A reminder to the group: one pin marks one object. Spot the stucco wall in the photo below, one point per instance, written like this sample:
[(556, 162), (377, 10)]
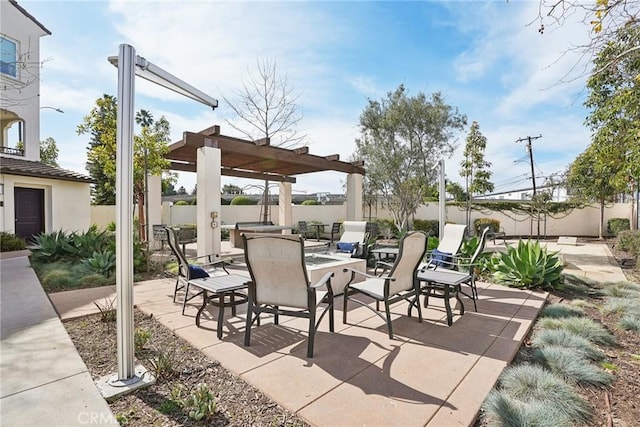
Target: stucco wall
[(67, 204), (580, 222)]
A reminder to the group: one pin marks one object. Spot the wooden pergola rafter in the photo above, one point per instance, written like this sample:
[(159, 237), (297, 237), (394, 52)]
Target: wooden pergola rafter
[(254, 159)]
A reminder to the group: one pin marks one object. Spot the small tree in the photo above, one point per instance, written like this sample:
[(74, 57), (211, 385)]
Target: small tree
[(475, 169), (149, 149), (590, 176)]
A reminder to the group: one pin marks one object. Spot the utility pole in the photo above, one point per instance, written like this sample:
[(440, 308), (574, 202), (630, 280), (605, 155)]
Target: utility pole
[(533, 175)]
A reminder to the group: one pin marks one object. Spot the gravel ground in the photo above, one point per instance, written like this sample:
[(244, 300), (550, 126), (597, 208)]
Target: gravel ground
[(237, 403)]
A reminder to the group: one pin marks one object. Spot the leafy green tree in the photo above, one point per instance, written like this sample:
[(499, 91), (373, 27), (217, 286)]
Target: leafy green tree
[(101, 152), (100, 124), (614, 101), (48, 151), (456, 190), (590, 175), (402, 138), (150, 147), (475, 169)]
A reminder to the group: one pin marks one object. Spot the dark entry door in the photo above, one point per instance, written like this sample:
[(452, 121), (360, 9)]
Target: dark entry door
[(29, 211)]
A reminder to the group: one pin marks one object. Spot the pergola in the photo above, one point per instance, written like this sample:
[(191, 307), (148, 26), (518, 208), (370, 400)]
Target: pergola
[(211, 154)]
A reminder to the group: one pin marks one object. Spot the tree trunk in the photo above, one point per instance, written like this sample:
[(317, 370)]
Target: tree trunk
[(141, 217), (265, 203), (601, 228)]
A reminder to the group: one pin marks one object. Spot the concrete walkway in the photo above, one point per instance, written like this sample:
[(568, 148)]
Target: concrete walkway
[(429, 375), (44, 382)]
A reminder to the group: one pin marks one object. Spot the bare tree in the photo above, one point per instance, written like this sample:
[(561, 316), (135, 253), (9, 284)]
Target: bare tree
[(603, 18), (267, 108), (26, 72)]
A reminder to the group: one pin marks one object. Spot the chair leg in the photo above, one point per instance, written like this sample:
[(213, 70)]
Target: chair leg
[(186, 296), (388, 313), (177, 287), (344, 304), (247, 330), (312, 333)]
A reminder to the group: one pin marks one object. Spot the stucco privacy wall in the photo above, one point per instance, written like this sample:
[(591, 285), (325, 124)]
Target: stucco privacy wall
[(580, 222), (70, 212)]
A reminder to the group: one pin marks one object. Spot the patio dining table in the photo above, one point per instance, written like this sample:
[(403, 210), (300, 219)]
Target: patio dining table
[(445, 284)]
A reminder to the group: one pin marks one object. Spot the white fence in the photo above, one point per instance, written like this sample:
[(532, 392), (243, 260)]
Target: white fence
[(579, 222)]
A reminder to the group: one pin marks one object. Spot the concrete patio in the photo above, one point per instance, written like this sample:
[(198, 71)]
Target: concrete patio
[(429, 375)]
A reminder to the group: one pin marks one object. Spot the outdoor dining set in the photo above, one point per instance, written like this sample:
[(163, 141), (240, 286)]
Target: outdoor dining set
[(285, 280)]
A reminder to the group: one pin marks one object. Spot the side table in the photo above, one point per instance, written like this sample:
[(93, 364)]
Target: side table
[(221, 291)]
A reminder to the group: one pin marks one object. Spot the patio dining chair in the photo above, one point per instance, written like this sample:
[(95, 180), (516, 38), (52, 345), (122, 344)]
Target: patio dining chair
[(448, 246), (206, 266), (303, 229), (279, 279), (468, 267), (353, 239), (399, 284)]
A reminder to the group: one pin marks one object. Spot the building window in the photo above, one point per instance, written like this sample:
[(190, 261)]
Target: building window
[(8, 57)]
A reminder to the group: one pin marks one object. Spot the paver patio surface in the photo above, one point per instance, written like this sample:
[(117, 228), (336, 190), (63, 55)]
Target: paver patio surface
[(429, 374)]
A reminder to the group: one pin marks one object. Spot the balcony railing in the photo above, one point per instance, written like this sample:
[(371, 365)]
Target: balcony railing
[(10, 150)]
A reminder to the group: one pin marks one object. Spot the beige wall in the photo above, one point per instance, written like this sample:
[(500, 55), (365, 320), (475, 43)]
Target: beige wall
[(580, 222), (66, 203)]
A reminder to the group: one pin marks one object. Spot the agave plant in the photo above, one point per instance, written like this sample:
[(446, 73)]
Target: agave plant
[(53, 246), (102, 262), (529, 265)]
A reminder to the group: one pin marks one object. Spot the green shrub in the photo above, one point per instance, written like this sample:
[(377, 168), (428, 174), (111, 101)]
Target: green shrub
[(481, 223), (386, 228), (561, 310), (309, 202), (141, 337), (563, 362), (107, 309), (529, 265), (528, 384), (616, 225), (11, 242), (629, 240), (181, 203), (581, 326), (561, 337), (242, 200), (501, 410), (57, 279), (429, 226)]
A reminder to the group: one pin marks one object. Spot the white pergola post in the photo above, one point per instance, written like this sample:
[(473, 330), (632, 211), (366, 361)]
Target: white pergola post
[(442, 199), (209, 161), (285, 211), (354, 197)]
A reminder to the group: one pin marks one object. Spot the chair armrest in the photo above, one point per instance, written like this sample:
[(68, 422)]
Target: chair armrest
[(354, 272), (324, 279)]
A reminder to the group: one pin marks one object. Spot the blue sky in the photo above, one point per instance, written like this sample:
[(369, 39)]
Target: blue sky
[(486, 57)]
